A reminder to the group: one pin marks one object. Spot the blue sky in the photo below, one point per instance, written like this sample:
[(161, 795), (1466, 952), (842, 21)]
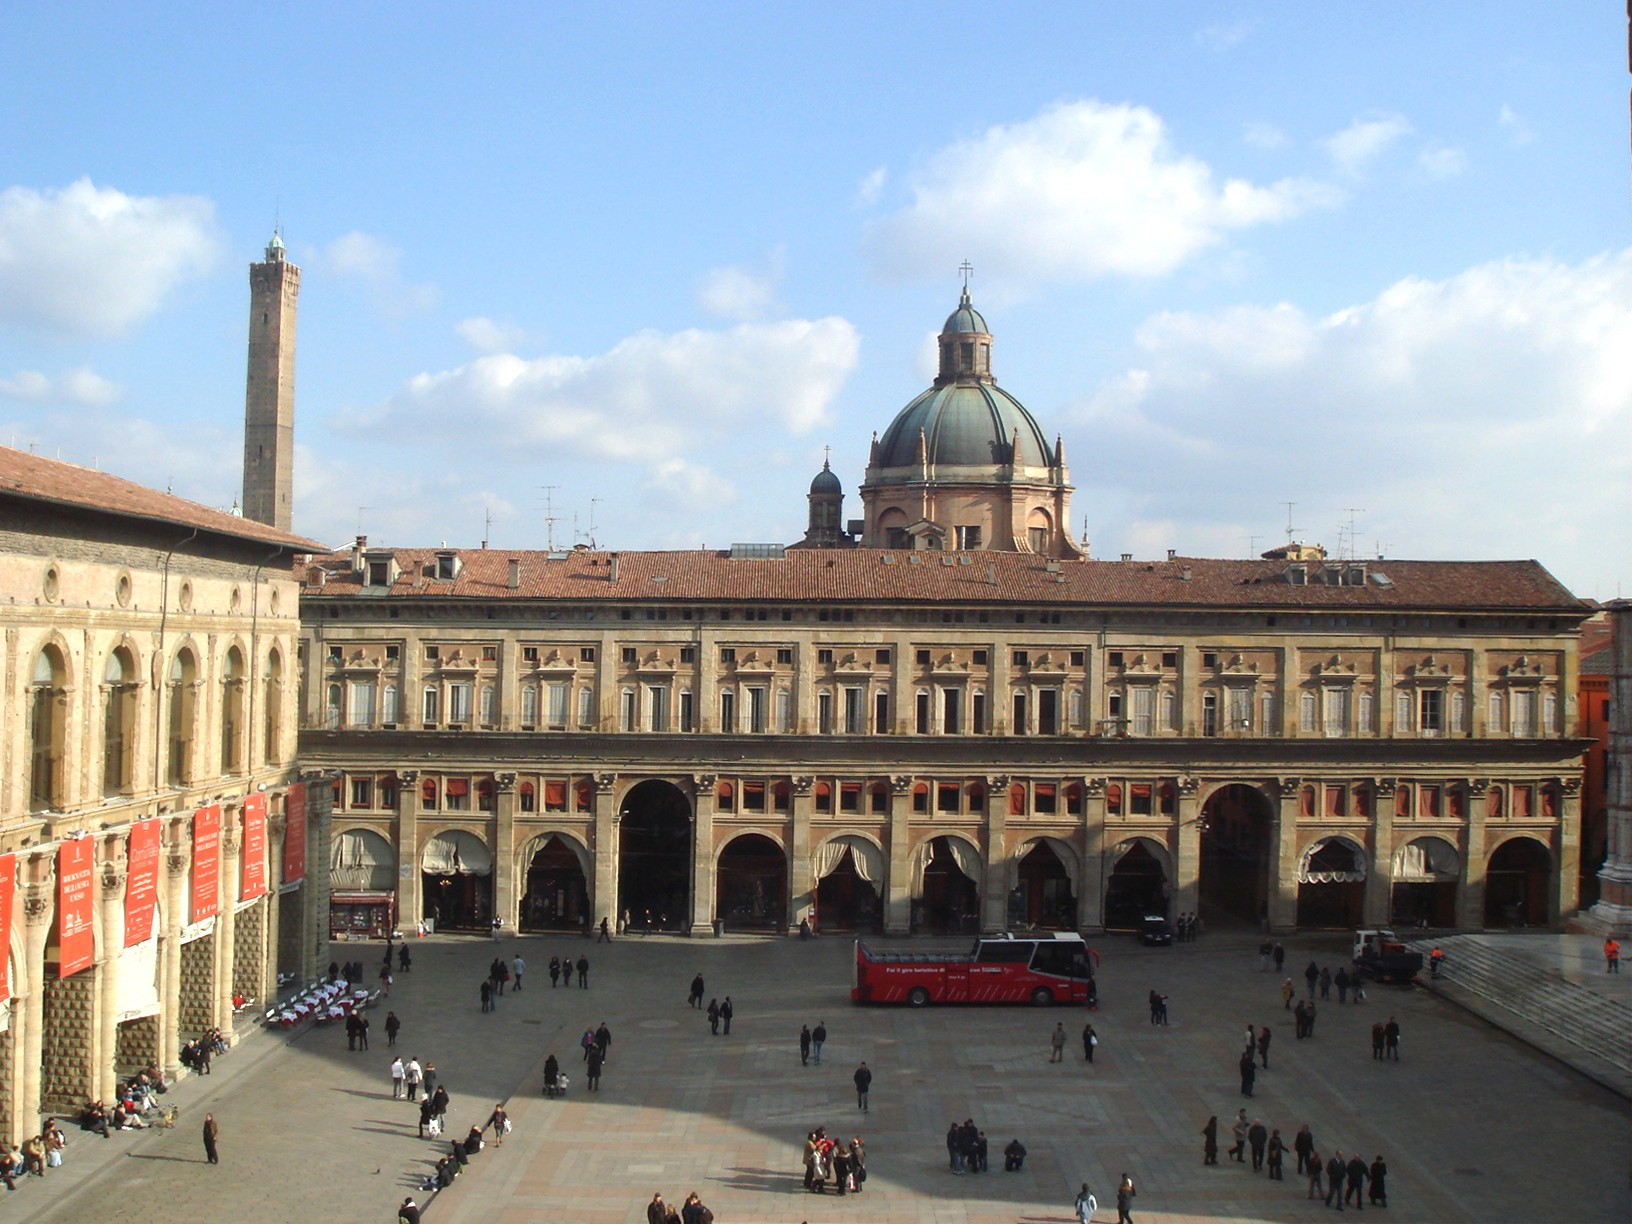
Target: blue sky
[(658, 256)]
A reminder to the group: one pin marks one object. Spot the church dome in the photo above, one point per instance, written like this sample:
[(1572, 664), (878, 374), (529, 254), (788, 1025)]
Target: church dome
[(825, 481), (964, 425), (965, 320)]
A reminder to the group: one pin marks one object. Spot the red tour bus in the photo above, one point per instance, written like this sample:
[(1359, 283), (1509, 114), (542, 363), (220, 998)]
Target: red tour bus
[(1038, 969)]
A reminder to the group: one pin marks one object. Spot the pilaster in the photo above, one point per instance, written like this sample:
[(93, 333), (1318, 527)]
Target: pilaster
[(1567, 876), (1187, 848), (604, 900), (38, 888), (703, 887), (1282, 886), (1470, 897), (994, 904), (1091, 882), (898, 885), (178, 857), (506, 897), (110, 944), (1380, 871), (226, 922), (410, 902), (801, 889)]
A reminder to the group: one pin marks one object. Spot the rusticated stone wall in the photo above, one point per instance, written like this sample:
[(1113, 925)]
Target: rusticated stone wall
[(137, 1043), (69, 1016), (246, 950), (197, 982)]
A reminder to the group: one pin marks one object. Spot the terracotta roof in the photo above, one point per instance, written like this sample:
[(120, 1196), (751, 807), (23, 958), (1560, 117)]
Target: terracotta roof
[(870, 575), (35, 478)]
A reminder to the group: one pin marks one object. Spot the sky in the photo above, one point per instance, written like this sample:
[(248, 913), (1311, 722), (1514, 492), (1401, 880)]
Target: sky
[(623, 273)]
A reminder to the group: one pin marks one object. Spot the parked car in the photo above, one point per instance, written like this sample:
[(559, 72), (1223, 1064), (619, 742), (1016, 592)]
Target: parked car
[(1155, 930)]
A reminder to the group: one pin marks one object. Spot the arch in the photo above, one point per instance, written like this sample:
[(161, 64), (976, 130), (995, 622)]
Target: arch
[(849, 872), (1237, 826), (273, 706), (655, 842), (1332, 883), (1044, 893), (121, 681), (946, 875), (48, 727), (556, 868), (181, 700), (361, 859), (456, 879), (1425, 875), (232, 710), (1139, 882), (1518, 883), (751, 883)]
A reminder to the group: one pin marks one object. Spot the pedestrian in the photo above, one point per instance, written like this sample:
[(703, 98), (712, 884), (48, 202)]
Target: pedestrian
[(586, 1043), (1280, 957), (1086, 1204), (1300, 1014), (1377, 1041), (392, 1027), (1014, 1156), (1239, 1128), (714, 1017), (518, 967), (427, 1114), (1277, 1154), (818, 1035), (212, 1133), (1209, 1141), (1336, 1171), (954, 1148), (606, 931), (385, 979), (334, 971), (841, 1167), (726, 1012), (439, 1102), (695, 1213), (592, 1071), (1612, 954), (487, 994), (1249, 1072), (1287, 992), (583, 973), (502, 973), (1379, 1181), (603, 1041), (1326, 983), (1124, 1200), (496, 926), (1056, 1043), (1263, 1046), (362, 1032), (656, 1212), (1303, 1143), (428, 1078), (408, 1213), (1341, 981), (1436, 958), (1155, 1007), (858, 1162), (1090, 1039), (552, 1076), (1257, 1139), (411, 1075), (500, 1122), (1311, 975), (804, 1045), (864, 1081), (1309, 1021), (351, 1030), (1391, 1039), (555, 971), (695, 998), (1316, 1171), (1355, 1182), (396, 1078), (405, 962)]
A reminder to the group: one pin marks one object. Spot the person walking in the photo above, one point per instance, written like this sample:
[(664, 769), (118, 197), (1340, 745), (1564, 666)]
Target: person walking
[(1257, 1138), (603, 1042), (212, 1133), (1056, 1043), (864, 1081), (405, 962), (428, 1078), (954, 1148), (1238, 1129), (1209, 1141), (396, 1078), (1326, 982), (695, 998), (1612, 954), (727, 1011), (1249, 1072), (1311, 975), (818, 1035), (1303, 1143), (496, 927), (1124, 1200), (555, 971), (592, 1072), (1090, 1039), (385, 979), (439, 1103), (392, 1027), (1391, 1039), (1316, 1172), (411, 1075), (1263, 1046), (552, 1076), (1379, 1182), (714, 1017), (1086, 1204), (1337, 1170), (1287, 993), (1355, 1182), (1280, 957), (804, 1045), (518, 967), (487, 995), (362, 1032), (583, 973), (1277, 1154), (499, 1120)]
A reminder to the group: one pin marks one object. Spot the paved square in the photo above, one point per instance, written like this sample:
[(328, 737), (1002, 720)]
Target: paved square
[(1474, 1125)]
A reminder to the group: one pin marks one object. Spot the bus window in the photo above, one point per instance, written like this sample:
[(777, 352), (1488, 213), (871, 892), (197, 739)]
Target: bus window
[(1005, 952), (1061, 959)]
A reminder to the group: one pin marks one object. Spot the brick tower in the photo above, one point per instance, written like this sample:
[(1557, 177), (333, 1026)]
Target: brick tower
[(269, 399)]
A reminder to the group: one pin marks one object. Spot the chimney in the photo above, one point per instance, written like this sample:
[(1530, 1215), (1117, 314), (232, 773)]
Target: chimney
[(612, 562), (1127, 556), (1172, 553), (514, 580), (1184, 574), (357, 552)]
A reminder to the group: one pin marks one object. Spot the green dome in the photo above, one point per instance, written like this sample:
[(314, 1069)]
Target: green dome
[(964, 425), (826, 482), (965, 318)]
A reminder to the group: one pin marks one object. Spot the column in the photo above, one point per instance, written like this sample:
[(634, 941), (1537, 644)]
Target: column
[(1567, 875), (178, 857), (801, 889), (506, 897), (994, 903), (226, 922), (604, 902), (1614, 906), (267, 989), (1186, 849), (702, 854), (410, 901), (898, 886), (38, 886), (1091, 880), (110, 942), (1470, 897), (1283, 858), (1380, 871)]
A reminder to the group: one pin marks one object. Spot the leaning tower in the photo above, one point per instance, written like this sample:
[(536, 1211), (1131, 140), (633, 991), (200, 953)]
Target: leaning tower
[(269, 399)]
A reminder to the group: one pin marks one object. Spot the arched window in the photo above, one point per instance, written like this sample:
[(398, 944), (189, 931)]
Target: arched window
[(47, 729), (331, 712), (182, 697), (274, 709), (427, 794), (529, 797), (232, 712), (118, 721), (390, 706), (484, 795), (1113, 800)]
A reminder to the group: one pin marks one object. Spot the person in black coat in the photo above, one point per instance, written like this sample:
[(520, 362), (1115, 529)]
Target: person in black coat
[(1209, 1141), (804, 1045), (726, 1012), (1358, 1174), (552, 1075), (1014, 1156), (1249, 1072), (1379, 1181), (592, 1073), (1257, 1137)]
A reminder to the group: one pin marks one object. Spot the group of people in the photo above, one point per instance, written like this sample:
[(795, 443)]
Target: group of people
[(845, 1165), (692, 1211), (966, 1147), (811, 1042), (196, 1055), (1186, 927), (1341, 1181), (1158, 1007), (1254, 1055), (720, 1013), (596, 1044), (41, 1152), (1087, 1204), (561, 968), (1324, 979), (1385, 1040)]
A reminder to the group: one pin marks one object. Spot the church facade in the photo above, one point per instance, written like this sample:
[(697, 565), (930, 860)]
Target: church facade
[(943, 716)]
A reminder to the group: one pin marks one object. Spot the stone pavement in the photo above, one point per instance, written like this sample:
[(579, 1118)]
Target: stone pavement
[(1474, 1125)]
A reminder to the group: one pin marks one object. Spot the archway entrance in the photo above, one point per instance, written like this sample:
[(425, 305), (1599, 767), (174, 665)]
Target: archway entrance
[(1137, 886), (848, 872), (948, 900), (1426, 873), (1516, 884), (654, 857), (1332, 884), (557, 896), (456, 874), (752, 892), (1237, 823), (1046, 895)]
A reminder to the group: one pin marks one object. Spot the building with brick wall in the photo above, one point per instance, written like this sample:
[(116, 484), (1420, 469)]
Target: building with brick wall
[(152, 829)]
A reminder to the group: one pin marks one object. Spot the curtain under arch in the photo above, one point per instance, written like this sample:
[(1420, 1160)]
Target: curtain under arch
[(1428, 860), (456, 852), (1330, 852), (580, 851), (363, 861), (867, 858), (1062, 851)]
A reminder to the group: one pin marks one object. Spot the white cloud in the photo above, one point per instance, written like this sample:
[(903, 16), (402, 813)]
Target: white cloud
[(90, 260), (1517, 129), (651, 398), (1442, 162), (79, 386), (694, 485), (871, 188), (1222, 36), (1447, 408), (742, 293), (1354, 148), (490, 336), (1084, 190), (378, 264), (1265, 136)]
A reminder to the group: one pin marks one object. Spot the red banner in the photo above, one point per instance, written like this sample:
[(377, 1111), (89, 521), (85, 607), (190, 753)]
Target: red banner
[(142, 882), (206, 862), (294, 834), (76, 883), (8, 891), (252, 879)]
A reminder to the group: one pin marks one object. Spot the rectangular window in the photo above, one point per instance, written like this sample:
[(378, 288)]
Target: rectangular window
[(529, 707), (1524, 714), (362, 704), (458, 703), (1549, 714), (951, 708), (784, 711), (490, 654), (1144, 714), (881, 657), (490, 705), (586, 654), (921, 713), (430, 706), (1018, 723), (1334, 801), (1523, 802), (1113, 711), (629, 712), (1209, 713), (362, 793), (388, 792), (824, 713), (753, 796), (1045, 798), (922, 658), (586, 707), (967, 537), (784, 656), (1368, 713), (1113, 659), (1402, 713), (529, 654), (629, 656), (657, 707), (559, 695), (685, 710), (1139, 796), (1306, 713), (850, 797), (1170, 658), (1021, 658), (1431, 711), (1240, 710), (1038, 539), (881, 714), (1266, 714), (390, 708), (977, 714), (1428, 802), (1170, 710), (728, 655), (855, 711), (458, 794), (555, 796), (1337, 711), (758, 710), (1048, 711), (947, 795), (728, 712)]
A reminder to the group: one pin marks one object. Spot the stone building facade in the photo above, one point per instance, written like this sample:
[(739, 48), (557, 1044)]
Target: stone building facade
[(151, 822)]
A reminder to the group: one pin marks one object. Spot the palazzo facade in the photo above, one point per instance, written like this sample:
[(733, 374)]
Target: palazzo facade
[(152, 829)]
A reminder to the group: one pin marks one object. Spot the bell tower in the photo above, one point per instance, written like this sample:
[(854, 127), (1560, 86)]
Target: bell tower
[(269, 398)]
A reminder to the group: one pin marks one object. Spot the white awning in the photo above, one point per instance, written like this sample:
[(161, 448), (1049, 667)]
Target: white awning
[(136, 972), (362, 859), (1428, 860), (867, 858), (1332, 860), (456, 852)]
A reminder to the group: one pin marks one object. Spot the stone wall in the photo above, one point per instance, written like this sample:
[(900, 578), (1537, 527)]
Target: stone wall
[(291, 931), (8, 1041), (69, 1013), (247, 939), (137, 1044), (193, 1010)]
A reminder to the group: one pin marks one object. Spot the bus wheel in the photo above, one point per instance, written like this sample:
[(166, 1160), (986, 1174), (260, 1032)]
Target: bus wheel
[(917, 997), (1042, 996)]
